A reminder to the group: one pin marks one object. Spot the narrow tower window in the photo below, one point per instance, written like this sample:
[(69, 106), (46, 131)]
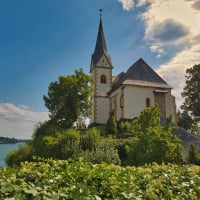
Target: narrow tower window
[(148, 102), (103, 78)]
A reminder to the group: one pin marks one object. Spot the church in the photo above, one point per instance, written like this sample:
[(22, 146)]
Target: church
[(128, 93)]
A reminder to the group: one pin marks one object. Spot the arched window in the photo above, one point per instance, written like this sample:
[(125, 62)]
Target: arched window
[(148, 102), (103, 78)]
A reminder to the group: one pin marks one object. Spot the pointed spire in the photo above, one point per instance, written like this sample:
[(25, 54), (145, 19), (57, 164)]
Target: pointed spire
[(100, 47)]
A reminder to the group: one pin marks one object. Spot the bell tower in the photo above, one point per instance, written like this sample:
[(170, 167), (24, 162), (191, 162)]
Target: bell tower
[(101, 72)]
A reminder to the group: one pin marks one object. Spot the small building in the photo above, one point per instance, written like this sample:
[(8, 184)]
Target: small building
[(128, 93)]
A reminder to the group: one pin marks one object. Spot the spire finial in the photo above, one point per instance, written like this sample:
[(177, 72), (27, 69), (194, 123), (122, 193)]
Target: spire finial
[(100, 11)]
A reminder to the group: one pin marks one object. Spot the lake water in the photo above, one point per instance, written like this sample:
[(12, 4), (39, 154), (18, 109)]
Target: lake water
[(5, 149)]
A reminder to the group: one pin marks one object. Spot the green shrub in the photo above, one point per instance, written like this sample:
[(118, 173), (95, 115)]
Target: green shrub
[(193, 155), (90, 139), (50, 179), (124, 147), (156, 142), (125, 128), (23, 153), (101, 154), (68, 144), (111, 125)]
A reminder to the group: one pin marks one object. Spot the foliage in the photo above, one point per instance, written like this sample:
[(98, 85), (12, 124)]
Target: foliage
[(102, 153), (125, 128), (195, 129), (23, 153), (184, 120), (45, 139), (98, 149), (124, 147), (193, 155), (68, 98), (50, 179), (156, 143), (45, 128), (90, 139), (68, 144), (111, 125), (191, 92)]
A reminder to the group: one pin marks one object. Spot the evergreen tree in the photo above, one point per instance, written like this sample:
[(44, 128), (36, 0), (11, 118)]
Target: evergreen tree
[(111, 125)]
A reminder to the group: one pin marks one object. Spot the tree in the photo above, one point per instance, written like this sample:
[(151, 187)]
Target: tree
[(191, 92), (68, 98), (184, 120), (111, 125), (156, 142)]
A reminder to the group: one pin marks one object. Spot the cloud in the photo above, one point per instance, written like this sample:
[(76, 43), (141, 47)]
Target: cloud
[(156, 48), (167, 31), (142, 2), (127, 4), (196, 5), (130, 4), (19, 121)]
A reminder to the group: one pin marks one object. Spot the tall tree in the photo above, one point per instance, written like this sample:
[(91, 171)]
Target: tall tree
[(191, 92), (68, 98)]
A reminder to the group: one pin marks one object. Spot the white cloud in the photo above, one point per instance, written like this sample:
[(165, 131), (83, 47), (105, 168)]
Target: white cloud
[(142, 2), (19, 121), (127, 4)]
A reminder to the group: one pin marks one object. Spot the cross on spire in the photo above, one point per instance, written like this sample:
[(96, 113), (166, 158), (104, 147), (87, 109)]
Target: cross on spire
[(100, 11)]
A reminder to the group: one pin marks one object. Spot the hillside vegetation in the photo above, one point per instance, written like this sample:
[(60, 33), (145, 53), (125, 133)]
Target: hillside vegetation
[(138, 142)]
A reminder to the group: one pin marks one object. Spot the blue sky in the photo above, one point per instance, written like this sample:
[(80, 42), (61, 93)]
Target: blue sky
[(43, 39)]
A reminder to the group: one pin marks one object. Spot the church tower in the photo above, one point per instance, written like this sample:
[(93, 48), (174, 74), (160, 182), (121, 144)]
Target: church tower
[(101, 72)]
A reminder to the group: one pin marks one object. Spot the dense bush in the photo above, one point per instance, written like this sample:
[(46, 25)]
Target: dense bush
[(156, 142), (23, 153), (101, 154), (111, 125), (50, 179), (90, 139), (193, 155)]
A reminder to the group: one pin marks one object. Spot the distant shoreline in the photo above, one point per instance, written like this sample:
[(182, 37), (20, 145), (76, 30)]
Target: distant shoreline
[(7, 140)]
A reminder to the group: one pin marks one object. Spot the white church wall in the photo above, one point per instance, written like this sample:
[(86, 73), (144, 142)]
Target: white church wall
[(135, 100), (103, 109)]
